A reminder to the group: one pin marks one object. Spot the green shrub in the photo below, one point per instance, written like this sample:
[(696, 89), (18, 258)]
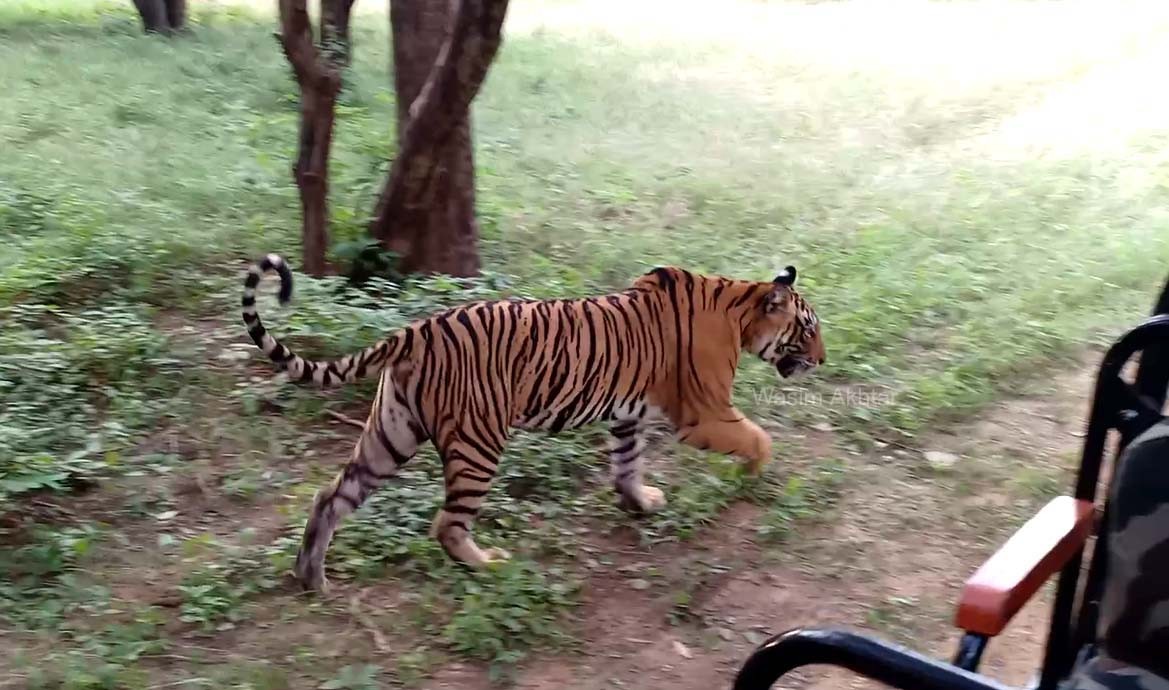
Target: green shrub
[(76, 387), (505, 611)]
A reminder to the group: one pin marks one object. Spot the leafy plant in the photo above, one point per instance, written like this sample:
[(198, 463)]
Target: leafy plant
[(77, 671), (799, 499), (211, 600), (74, 399), (38, 574), (414, 666), (703, 486), (214, 595), (24, 212), (354, 677), (505, 611), (106, 658)]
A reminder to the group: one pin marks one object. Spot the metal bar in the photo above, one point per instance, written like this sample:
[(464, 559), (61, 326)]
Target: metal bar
[(1089, 609), (1100, 422), (1163, 302), (1057, 658), (1138, 411), (886, 663), (1153, 375), (970, 651), (1107, 398), (1141, 419)]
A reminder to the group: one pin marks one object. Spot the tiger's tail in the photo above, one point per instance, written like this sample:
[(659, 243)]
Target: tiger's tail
[(348, 369)]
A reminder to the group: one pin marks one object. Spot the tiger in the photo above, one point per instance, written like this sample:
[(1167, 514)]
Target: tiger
[(665, 348)]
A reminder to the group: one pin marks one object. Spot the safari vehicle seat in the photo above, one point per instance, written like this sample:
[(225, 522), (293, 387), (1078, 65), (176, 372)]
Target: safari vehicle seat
[(1133, 632)]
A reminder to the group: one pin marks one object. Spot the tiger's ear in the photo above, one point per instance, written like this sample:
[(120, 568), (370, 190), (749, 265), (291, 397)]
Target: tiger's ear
[(659, 277), (780, 294), (786, 277)]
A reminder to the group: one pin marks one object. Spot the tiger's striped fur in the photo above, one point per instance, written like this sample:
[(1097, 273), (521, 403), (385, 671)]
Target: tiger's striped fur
[(667, 346)]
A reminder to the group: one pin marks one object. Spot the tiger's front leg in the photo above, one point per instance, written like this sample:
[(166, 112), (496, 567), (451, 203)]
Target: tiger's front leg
[(627, 466), (733, 434)]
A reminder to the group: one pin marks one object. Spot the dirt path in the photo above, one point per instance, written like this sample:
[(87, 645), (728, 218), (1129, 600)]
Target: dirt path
[(905, 536), (889, 557)]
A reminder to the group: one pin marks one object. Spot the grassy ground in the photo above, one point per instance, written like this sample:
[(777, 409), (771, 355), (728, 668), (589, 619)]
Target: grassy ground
[(969, 193)]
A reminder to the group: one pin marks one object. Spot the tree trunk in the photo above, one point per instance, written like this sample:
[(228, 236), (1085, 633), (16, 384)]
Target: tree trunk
[(437, 233), (318, 73), (153, 14), (311, 172), (335, 30), (162, 16), (425, 212), (449, 242), (176, 14)]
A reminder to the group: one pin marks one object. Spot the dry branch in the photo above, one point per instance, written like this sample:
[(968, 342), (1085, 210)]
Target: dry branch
[(345, 419)]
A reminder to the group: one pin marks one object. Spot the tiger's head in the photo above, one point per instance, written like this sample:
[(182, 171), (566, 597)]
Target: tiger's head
[(785, 331)]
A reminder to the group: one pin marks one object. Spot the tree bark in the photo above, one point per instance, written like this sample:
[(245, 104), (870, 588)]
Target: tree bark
[(335, 38), (162, 16), (426, 210), (318, 73), (153, 14), (311, 172), (176, 14)]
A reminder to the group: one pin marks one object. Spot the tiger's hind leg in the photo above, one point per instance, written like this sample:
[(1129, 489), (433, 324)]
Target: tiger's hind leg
[(627, 464), (469, 465), (390, 439)]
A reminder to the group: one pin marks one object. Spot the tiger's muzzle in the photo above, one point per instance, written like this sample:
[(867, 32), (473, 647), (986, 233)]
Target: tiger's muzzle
[(789, 366)]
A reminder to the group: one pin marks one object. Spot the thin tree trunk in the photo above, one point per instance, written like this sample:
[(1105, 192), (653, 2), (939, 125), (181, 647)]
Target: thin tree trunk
[(426, 211), (335, 39), (162, 16), (318, 73), (311, 172), (176, 14), (153, 14)]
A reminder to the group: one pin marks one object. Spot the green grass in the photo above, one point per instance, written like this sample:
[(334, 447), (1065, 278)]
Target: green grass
[(962, 218)]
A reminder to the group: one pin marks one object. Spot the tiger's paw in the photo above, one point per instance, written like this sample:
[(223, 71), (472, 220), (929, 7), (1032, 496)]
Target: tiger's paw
[(642, 499), (471, 556), (310, 577), (754, 467), (495, 555)]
